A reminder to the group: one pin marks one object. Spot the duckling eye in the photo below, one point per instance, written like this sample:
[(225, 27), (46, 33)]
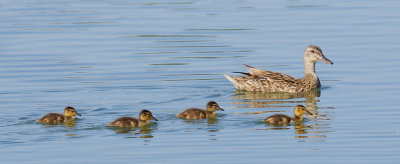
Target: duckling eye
[(312, 51)]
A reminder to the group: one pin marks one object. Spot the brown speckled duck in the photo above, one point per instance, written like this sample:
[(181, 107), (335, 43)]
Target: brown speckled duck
[(299, 110), (268, 81), (196, 113), (144, 118), (56, 118)]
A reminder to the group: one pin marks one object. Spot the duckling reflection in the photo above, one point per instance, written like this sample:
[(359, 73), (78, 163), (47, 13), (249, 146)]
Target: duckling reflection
[(70, 123), (144, 118), (279, 119), (57, 118), (144, 131), (196, 113), (209, 121)]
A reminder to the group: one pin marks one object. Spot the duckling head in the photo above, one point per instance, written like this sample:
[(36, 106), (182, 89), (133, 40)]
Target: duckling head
[(299, 110), (146, 115), (314, 53), (213, 106), (70, 111)]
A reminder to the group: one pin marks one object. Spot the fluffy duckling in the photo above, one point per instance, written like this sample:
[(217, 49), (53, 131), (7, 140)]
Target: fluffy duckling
[(56, 118), (196, 113), (144, 118), (299, 110)]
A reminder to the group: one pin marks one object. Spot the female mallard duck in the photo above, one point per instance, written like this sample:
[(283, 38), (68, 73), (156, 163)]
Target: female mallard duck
[(196, 113), (268, 81), (56, 118), (299, 110), (144, 119)]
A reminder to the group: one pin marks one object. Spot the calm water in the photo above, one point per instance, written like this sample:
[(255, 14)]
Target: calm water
[(114, 58)]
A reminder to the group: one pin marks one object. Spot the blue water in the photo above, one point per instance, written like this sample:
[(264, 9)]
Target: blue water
[(113, 58)]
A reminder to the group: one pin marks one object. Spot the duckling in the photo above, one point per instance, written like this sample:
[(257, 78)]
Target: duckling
[(196, 113), (144, 119), (56, 118), (299, 110), (268, 81)]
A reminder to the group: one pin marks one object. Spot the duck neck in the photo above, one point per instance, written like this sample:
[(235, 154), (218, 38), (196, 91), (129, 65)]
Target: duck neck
[(309, 66), (310, 76), (143, 122), (69, 117), (210, 113), (298, 118)]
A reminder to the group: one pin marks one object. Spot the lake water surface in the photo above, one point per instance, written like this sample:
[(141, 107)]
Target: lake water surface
[(113, 58)]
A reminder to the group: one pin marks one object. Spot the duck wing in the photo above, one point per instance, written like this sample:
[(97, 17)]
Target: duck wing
[(267, 81), (269, 74)]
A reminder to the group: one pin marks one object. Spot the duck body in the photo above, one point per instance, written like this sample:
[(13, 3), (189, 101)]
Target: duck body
[(52, 118), (196, 113), (56, 118), (144, 118), (127, 122), (268, 81), (280, 119), (299, 110)]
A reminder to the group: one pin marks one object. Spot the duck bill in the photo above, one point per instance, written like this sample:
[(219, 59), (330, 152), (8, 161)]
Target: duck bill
[(325, 60), (308, 112), (153, 118), (77, 113), (221, 109)]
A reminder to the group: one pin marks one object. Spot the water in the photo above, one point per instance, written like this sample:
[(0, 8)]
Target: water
[(114, 58)]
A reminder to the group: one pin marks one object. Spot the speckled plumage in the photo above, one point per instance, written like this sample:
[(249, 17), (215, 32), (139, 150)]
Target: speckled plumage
[(196, 113), (268, 81), (144, 119), (56, 118)]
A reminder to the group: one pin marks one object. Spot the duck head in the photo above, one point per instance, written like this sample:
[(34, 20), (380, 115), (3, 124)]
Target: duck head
[(70, 111), (213, 106), (146, 115), (313, 54), (299, 110)]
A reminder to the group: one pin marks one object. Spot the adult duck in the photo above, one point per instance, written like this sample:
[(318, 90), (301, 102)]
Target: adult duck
[(268, 81)]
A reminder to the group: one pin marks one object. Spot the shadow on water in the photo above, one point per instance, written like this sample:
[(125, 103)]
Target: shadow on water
[(281, 101)]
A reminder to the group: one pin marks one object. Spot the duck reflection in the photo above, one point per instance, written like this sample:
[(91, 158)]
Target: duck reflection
[(279, 102), (137, 132), (278, 99), (70, 123), (210, 125), (208, 121), (308, 132)]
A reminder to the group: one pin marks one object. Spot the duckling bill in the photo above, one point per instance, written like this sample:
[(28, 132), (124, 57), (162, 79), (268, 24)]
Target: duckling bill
[(299, 110), (56, 118), (196, 113), (144, 118)]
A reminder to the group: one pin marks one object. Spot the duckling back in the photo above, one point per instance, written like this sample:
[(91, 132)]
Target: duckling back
[(125, 122), (193, 113), (278, 119), (52, 118)]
